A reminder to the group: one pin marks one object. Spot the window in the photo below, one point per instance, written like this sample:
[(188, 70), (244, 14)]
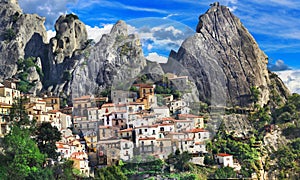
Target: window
[(146, 130), (153, 132)]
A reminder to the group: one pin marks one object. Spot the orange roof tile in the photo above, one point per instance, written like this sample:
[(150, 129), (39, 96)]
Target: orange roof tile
[(196, 130), (168, 119), (108, 105), (147, 138), (126, 130), (223, 154), (198, 143)]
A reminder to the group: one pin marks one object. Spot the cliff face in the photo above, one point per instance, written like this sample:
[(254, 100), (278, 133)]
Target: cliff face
[(77, 68), (113, 61), (21, 35), (70, 64), (224, 55)]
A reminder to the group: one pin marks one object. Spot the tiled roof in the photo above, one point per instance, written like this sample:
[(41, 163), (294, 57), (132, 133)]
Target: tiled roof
[(223, 154), (196, 130), (126, 130), (147, 138)]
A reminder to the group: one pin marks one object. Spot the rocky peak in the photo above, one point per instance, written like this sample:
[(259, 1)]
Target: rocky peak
[(120, 28), (225, 60), (117, 57), (21, 36), (71, 35)]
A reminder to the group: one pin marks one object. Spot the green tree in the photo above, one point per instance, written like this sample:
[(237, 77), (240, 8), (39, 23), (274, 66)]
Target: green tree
[(19, 117), (20, 155), (64, 170), (46, 137), (9, 34), (254, 94), (111, 172), (225, 173), (179, 161)]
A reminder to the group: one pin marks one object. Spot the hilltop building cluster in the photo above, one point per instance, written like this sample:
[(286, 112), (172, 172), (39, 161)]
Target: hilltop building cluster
[(102, 131)]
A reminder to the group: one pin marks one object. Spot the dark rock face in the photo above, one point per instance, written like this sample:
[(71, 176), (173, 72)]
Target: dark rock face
[(18, 33), (224, 60)]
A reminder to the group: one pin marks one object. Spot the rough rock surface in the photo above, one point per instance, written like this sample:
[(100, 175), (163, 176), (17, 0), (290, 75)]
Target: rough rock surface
[(21, 35), (224, 60), (116, 60)]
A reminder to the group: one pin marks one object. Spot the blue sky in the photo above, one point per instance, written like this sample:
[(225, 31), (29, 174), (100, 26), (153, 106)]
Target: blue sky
[(275, 24)]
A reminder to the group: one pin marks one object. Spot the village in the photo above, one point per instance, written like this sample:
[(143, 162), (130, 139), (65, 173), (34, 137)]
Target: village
[(102, 131)]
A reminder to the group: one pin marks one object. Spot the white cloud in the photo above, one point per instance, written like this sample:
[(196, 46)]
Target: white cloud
[(50, 34), (93, 32), (97, 32), (153, 56), (163, 38), (149, 47), (170, 15), (291, 79), (279, 66), (51, 9)]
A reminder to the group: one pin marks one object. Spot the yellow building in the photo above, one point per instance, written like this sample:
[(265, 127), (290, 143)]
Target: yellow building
[(53, 102), (91, 139), (146, 95)]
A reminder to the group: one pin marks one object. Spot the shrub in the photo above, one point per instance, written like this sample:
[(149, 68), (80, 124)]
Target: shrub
[(9, 34)]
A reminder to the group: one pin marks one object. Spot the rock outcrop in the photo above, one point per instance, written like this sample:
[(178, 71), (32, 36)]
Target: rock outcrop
[(21, 36), (115, 60), (225, 60)]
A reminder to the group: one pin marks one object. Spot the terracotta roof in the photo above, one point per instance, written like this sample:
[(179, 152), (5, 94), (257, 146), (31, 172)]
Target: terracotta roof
[(105, 127), (108, 105), (53, 111), (198, 143), (223, 154), (197, 130), (147, 138), (126, 130), (168, 119), (4, 104), (166, 124)]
